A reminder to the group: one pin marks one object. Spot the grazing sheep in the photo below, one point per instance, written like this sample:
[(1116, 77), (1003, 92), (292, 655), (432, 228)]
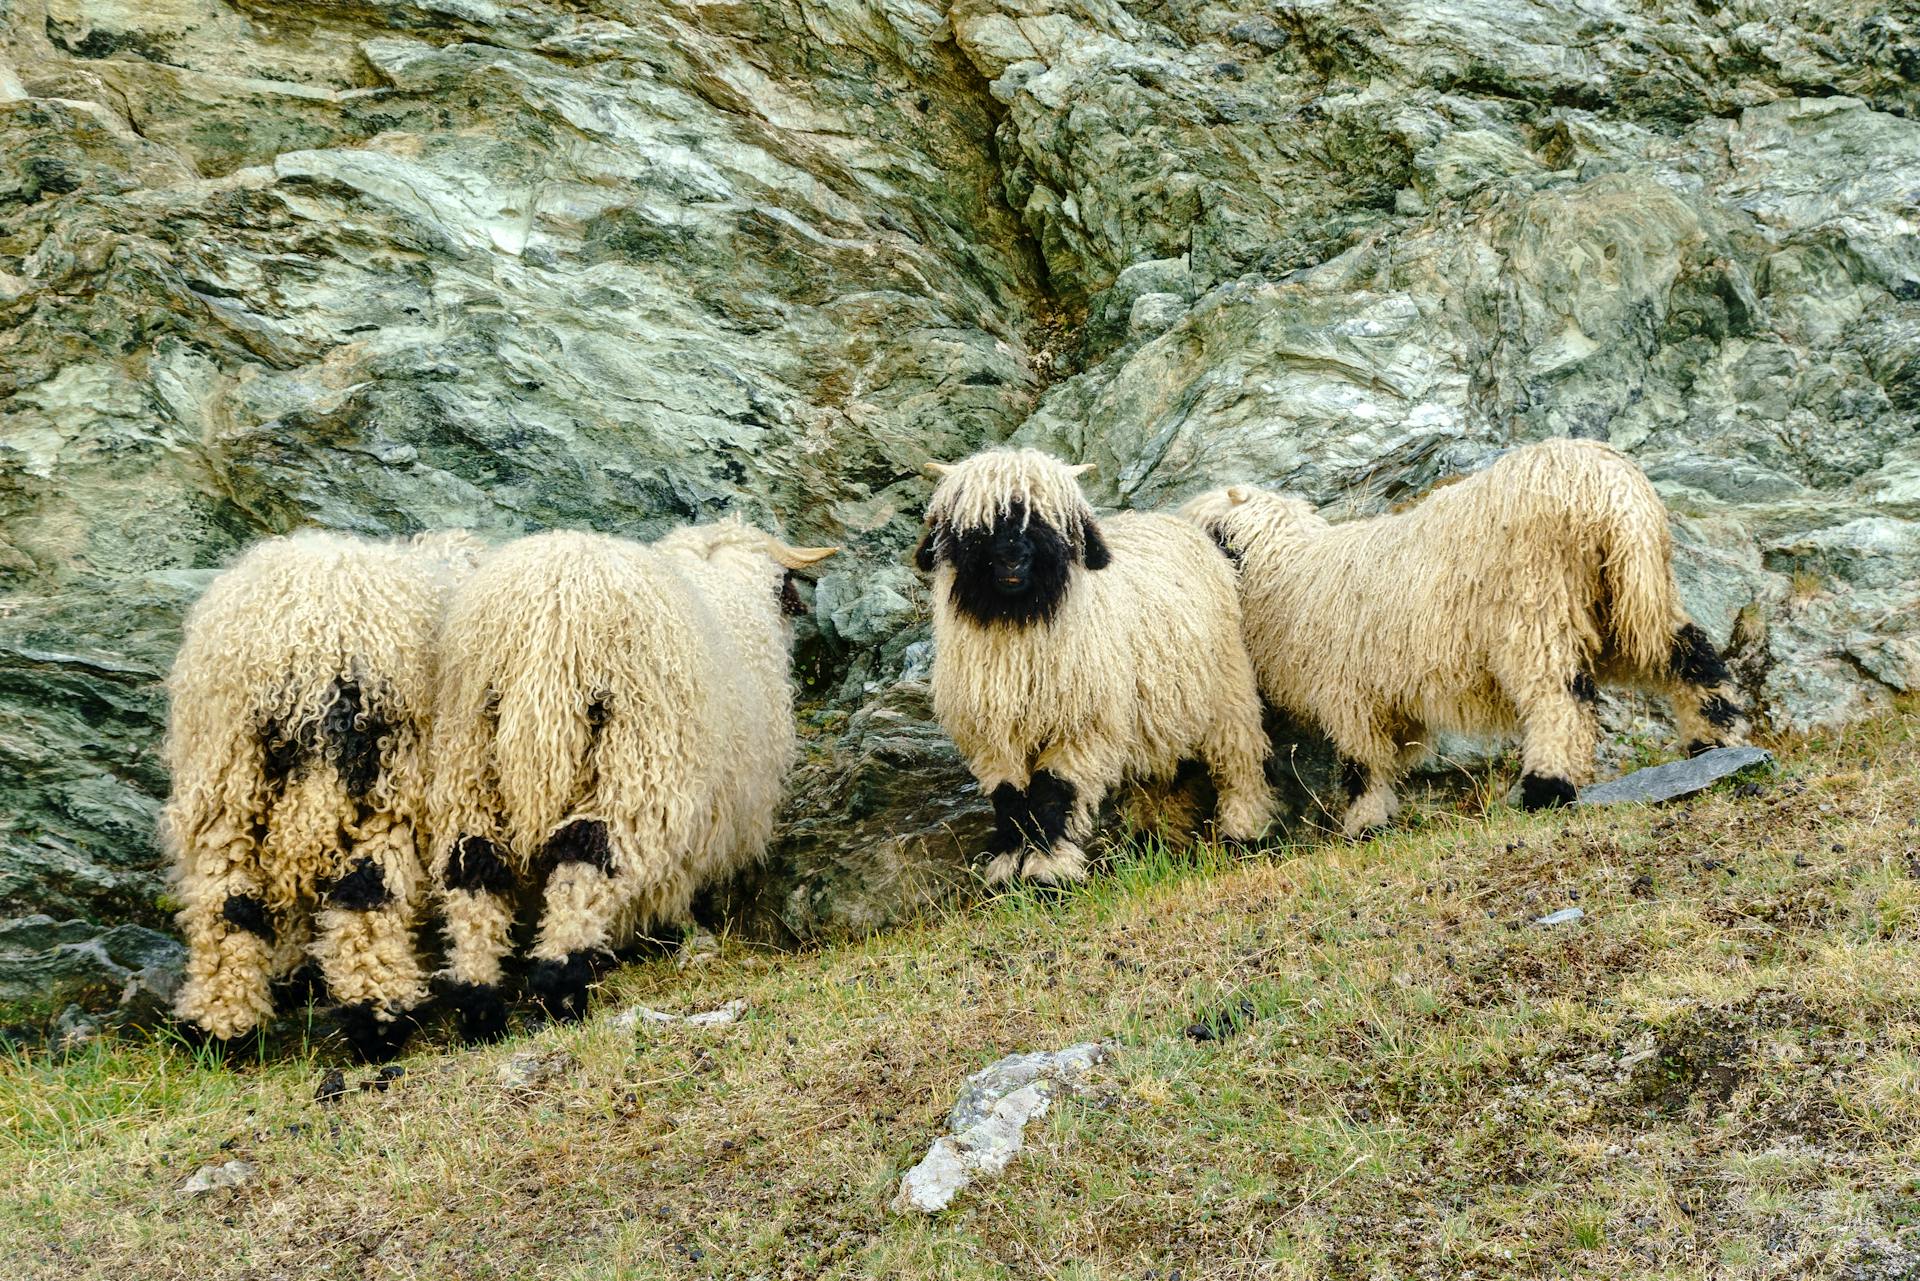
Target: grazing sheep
[(1071, 654), (615, 730), (296, 732), (1495, 602)]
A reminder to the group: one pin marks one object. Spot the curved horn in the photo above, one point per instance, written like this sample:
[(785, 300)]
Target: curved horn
[(1079, 471), (938, 470), (1237, 494), (798, 557)]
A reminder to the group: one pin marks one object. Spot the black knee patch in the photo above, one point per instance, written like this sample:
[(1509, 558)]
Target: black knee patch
[(584, 840), (360, 889), (561, 986), (372, 1039), (1699, 745), (1538, 792), (1354, 779), (1695, 660), (1719, 712), (475, 865), (480, 1010), (1010, 818), (1583, 688), (248, 912), (1049, 803)]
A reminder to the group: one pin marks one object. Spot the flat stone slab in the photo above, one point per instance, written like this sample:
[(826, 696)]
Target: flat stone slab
[(1676, 778)]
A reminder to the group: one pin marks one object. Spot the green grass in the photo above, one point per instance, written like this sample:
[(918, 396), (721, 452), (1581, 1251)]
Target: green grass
[(1715, 1074)]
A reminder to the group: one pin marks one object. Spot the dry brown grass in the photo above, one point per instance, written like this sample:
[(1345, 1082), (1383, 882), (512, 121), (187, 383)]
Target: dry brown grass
[(1715, 1074)]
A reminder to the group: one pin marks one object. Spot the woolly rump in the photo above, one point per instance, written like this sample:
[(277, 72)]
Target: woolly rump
[(298, 710), (1492, 605)]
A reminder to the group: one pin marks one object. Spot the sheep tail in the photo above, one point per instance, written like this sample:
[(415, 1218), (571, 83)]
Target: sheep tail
[(1643, 603), (547, 723)]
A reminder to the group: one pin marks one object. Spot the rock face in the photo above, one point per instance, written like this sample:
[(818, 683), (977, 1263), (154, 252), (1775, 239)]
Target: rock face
[(383, 266)]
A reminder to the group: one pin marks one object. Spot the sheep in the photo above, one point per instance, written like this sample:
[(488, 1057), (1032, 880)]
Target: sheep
[(1499, 601), (298, 712), (615, 731), (1072, 654)]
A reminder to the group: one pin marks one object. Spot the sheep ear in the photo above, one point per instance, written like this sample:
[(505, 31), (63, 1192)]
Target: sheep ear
[(1079, 471), (938, 470), (798, 557), (927, 554), (1095, 555)]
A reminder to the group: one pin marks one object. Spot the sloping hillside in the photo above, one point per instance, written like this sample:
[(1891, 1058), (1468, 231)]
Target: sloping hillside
[(1333, 1060)]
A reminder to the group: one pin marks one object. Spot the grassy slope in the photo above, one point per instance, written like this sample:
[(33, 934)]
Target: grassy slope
[(1716, 1073)]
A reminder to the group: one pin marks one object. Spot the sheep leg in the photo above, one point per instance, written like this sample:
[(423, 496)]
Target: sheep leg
[(1012, 815), (296, 980), (1367, 778), (1701, 690), (230, 939), (365, 939), (1235, 751), (1556, 752), (1063, 798), (476, 902), (586, 894), (1166, 807)]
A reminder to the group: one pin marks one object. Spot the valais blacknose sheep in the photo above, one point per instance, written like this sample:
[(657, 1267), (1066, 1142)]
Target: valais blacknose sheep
[(1071, 654), (1496, 603), (299, 710), (615, 730)]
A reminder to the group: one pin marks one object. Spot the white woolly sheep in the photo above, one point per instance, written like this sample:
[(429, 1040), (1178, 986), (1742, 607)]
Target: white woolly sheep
[(299, 708), (615, 731), (1495, 603), (1072, 654)]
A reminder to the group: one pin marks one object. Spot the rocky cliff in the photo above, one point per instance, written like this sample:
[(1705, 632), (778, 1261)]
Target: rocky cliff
[(382, 266)]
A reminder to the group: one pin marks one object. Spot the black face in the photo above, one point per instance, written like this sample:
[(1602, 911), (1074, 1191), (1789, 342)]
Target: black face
[(1228, 546), (1015, 571), (791, 604)]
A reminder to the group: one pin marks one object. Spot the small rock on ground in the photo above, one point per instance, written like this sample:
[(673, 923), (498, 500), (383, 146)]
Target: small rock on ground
[(639, 1014), (210, 1178), (989, 1121), (530, 1069)]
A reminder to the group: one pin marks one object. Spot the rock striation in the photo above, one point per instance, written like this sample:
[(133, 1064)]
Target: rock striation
[(513, 264)]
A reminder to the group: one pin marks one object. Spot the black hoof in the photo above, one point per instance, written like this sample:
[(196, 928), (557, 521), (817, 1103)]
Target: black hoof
[(561, 986), (1539, 793), (481, 1010), (228, 1050), (371, 1038)]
